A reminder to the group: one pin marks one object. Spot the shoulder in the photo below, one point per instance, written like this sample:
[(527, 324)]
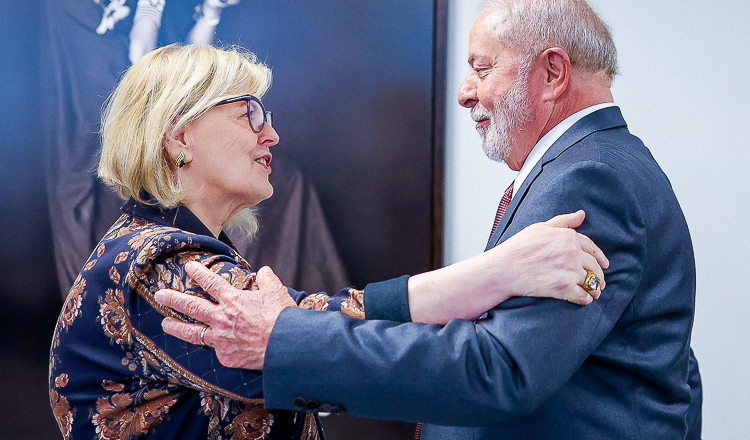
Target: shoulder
[(157, 255), (154, 243), (603, 174), (616, 163), (616, 149)]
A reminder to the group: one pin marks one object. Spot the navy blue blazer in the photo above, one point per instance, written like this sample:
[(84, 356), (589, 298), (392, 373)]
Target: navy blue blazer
[(533, 368)]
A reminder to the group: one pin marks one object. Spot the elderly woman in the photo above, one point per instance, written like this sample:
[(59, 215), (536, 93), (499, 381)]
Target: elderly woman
[(186, 141)]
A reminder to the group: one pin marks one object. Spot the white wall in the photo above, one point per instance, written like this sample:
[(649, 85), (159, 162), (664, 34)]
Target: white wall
[(685, 91)]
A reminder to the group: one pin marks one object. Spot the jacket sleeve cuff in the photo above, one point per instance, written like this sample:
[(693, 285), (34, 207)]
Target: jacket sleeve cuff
[(388, 300)]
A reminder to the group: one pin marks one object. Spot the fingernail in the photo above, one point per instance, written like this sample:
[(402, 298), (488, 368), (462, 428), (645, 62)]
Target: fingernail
[(159, 297)]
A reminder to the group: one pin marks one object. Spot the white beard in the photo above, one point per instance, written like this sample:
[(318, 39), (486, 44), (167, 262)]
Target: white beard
[(508, 118)]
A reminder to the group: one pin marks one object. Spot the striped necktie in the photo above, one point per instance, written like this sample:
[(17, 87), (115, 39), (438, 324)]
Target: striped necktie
[(504, 203)]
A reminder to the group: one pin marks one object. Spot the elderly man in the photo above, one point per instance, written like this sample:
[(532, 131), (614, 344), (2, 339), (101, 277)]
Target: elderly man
[(620, 368)]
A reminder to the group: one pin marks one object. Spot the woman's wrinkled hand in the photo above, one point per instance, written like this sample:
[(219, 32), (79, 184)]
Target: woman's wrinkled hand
[(550, 259), (544, 260)]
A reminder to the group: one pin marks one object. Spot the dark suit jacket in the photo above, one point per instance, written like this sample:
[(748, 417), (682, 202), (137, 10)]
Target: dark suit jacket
[(533, 368)]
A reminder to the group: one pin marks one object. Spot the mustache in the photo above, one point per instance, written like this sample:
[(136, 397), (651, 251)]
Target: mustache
[(479, 112)]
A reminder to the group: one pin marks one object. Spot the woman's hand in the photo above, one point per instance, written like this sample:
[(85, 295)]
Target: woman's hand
[(546, 260)]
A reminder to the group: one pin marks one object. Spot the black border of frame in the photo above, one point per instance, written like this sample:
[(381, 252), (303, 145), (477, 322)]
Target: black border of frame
[(439, 74)]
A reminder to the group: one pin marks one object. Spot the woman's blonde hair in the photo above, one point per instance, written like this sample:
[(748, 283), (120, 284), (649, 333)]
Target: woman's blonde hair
[(158, 95)]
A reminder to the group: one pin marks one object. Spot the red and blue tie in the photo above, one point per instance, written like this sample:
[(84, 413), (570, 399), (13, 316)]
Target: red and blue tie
[(504, 203)]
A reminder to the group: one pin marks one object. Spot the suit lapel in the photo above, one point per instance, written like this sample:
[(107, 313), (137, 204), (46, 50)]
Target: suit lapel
[(603, 119), (520, 194)]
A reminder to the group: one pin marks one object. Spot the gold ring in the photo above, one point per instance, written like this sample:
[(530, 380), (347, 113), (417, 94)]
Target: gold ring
[(592, 282), (203, 335)]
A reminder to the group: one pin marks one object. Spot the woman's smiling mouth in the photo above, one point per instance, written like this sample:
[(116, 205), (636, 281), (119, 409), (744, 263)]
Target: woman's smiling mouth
[(265, 161)]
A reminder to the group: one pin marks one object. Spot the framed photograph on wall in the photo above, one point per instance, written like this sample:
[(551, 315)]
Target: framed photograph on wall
[(358, 102)]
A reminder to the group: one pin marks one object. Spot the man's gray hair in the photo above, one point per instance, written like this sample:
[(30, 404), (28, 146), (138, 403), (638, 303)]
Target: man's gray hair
[(531, 26)]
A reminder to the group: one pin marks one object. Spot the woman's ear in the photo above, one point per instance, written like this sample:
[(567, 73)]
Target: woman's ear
[(176, 144)]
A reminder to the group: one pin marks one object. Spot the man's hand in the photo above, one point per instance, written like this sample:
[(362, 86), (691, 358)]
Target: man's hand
[(239, 326)]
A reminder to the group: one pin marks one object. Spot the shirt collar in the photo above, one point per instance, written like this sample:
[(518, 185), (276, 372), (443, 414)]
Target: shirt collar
[(180, 217), (549, 139)]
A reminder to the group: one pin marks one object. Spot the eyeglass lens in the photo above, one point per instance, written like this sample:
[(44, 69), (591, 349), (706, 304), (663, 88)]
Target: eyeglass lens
[(255, 115)]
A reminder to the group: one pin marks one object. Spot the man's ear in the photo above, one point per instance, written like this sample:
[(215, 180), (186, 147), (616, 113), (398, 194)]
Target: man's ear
[(176, 143), (558, 69)]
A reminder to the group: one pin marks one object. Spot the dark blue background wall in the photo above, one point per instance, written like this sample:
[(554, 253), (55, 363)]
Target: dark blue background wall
[(353, 99), (28, 289)]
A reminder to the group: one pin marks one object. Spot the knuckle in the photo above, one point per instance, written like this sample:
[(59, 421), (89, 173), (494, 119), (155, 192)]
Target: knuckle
[(200, 277), (570, 295), (571, 246), (211, 284), (585, 297), (221, 357), (178, 331), (192, 337), (228, 361), (177, 302), (193, 308), (211, 281)]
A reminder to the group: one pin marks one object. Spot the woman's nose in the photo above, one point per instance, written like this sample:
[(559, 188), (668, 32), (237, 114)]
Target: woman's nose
[(268, 136)]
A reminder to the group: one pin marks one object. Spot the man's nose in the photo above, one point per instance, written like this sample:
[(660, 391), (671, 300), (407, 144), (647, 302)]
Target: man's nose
[(467, 93)]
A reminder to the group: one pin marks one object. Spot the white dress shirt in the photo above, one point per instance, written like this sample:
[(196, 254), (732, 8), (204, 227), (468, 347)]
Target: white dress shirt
[(550, 138)]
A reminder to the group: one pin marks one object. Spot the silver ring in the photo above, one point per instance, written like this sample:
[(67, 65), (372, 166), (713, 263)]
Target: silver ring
[(203, 335)]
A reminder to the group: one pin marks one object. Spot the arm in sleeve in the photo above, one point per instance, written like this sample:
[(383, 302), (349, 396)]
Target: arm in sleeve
[(349, 302), (387, 300), (469, 373)]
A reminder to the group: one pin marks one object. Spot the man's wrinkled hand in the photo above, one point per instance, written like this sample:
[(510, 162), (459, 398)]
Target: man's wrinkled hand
[(239, 326)]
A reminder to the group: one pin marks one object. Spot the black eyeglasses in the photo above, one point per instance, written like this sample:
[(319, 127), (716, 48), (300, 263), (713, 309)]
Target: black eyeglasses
[(257, 115)]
